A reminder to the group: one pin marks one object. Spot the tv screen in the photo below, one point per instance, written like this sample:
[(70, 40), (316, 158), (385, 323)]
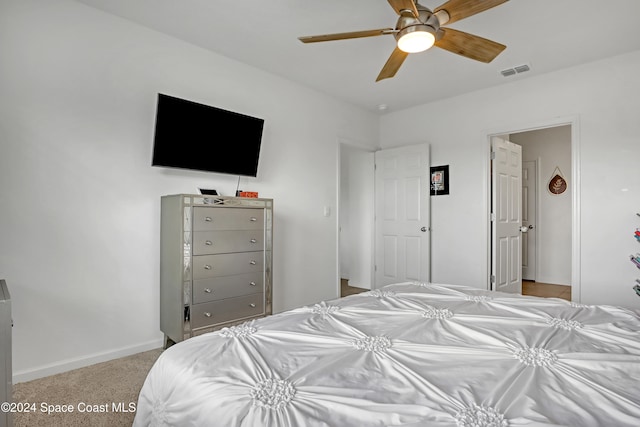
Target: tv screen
[(189, 135)]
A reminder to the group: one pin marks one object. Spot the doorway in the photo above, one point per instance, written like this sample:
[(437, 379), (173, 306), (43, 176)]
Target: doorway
[(355, 218), (550, 245), (398, 193)]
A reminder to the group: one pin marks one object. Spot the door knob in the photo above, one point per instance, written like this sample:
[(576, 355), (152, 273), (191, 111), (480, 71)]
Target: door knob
[(524, 229), (531, 227), (423, 229)]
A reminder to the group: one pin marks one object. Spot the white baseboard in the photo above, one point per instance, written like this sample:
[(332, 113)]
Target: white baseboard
[(552, 281), (81, 362)]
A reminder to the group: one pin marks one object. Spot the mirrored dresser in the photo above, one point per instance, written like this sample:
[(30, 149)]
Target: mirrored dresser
[(215, 263)]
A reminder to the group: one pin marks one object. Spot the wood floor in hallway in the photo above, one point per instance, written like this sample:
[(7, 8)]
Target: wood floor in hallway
[(530, 288), (546, 290)]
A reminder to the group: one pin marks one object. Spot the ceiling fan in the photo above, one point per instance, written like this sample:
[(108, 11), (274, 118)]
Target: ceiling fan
[(418, 28)]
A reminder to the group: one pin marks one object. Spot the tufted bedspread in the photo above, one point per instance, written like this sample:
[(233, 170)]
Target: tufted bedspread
[(409, 354)]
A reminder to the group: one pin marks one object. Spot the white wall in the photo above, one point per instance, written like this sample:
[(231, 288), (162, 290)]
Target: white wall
[(79, 201), (551, 148), (604, 98)]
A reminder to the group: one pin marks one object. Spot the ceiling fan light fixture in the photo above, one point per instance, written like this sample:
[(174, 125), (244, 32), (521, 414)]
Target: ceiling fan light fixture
[(416, 38)]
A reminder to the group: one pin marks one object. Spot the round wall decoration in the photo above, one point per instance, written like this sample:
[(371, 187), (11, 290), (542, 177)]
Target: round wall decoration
[(557, 183)]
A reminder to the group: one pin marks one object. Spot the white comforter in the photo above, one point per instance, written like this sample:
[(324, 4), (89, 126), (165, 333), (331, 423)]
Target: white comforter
[(409, 354)]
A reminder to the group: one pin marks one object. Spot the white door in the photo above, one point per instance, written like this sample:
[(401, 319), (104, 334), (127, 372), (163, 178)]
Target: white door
[(506, 216), (402, 215), (529, 197)]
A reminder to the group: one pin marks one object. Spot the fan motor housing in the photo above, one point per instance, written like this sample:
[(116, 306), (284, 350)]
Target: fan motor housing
[(426, 21)]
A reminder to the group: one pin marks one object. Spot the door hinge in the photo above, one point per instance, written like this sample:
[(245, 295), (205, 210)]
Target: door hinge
[(493, 278), (493, 155), (493, 217)]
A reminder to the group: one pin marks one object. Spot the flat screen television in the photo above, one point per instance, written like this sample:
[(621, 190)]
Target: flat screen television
[(190, 135)]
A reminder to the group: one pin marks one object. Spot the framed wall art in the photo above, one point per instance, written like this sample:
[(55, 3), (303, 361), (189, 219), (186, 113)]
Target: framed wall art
[(557, 184), (439, 180)]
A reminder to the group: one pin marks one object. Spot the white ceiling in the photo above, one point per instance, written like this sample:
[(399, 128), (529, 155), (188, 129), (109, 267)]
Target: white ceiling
[(546, 34)]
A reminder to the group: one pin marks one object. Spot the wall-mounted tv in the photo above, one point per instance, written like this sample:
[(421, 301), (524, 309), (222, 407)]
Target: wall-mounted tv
[(190, 135)]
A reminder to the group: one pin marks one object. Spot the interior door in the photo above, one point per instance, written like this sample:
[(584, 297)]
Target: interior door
[(506, 216), (402, 237), (529, 196)]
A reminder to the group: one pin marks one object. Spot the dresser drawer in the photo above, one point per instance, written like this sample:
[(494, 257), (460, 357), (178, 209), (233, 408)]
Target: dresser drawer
[(227, 264), (211, 313), (217, 288), (220, 242), (208, 219)]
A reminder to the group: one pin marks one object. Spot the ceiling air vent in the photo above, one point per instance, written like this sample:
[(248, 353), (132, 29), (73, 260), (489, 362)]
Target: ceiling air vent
[(515, 70)]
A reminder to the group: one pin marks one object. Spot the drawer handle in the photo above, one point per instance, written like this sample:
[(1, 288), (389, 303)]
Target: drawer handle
[(253, 219), (207, 267), (253, 263), (207, 291), (208, 219), (252, 283), (208, 243), (253, 240), (252, 305), (207, 314)]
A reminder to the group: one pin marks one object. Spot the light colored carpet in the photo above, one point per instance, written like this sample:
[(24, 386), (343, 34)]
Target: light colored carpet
[(109, 387)]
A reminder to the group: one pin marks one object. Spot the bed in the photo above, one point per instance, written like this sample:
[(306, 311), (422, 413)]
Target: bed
[(408, 354)]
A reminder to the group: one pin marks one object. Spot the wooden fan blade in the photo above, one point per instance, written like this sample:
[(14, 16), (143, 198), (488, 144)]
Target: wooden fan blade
[(343, 36), (465, 44), (460, 9), (400, 5), (393, 64)]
